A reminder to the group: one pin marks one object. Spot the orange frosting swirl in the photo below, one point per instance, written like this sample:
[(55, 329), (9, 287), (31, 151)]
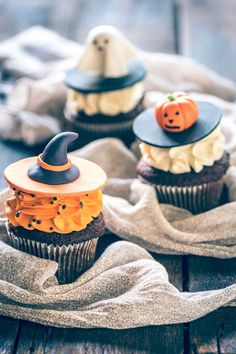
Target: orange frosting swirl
[(63, 214)]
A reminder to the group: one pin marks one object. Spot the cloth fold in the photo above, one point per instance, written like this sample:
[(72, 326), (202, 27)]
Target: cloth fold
[(125, 288)]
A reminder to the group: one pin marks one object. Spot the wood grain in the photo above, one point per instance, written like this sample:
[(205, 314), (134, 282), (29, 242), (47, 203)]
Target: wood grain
[(216, 332), (35, 338), (9, 329)]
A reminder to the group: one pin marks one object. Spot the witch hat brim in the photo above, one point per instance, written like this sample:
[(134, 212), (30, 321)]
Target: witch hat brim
[(92, 177), (147, 130), (92, 83)]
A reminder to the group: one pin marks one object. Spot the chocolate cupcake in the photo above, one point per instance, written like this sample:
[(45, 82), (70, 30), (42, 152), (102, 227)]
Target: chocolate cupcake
[(55, 211), (183, 152), (105, 91)]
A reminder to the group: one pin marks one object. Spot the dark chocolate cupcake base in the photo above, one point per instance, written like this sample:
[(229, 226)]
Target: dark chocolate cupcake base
[(74, 252), (208, 174), (101, 126), (196, 192)]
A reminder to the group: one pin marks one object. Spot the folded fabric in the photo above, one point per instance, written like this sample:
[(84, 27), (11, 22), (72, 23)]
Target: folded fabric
[(125, 288), (43, 57)]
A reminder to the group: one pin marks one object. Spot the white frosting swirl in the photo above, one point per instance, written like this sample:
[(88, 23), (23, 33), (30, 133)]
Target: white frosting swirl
[(108, 103), (184, 158)]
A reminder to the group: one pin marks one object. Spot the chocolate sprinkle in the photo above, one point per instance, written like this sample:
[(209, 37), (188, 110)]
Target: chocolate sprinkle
[(38, 221), (58, 213), (29, 225), (63, 206), (51, 228), (54, 198), (81, 205), (33, 220), (17, 215), (33, 195), (51, 202)]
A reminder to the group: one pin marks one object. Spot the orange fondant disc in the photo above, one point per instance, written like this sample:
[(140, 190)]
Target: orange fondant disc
[(92, 177)]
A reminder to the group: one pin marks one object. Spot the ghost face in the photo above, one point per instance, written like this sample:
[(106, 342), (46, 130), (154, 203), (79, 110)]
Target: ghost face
[(102, 42)]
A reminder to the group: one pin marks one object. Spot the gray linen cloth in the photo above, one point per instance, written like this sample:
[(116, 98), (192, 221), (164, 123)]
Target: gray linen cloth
[(125, 288)]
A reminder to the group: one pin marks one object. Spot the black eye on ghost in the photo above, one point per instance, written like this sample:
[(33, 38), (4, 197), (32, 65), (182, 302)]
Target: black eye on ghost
[(106, 41)]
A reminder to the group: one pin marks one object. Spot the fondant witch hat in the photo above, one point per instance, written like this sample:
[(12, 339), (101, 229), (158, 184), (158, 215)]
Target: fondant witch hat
[(53, 165), (54, 172), (108, 62), (176, 120)]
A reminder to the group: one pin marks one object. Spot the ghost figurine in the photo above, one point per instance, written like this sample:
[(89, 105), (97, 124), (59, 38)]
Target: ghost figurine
[(107, 53)]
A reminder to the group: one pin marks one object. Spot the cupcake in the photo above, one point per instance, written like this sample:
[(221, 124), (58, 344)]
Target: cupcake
[(55, 211), (105, 90), (182, 150)]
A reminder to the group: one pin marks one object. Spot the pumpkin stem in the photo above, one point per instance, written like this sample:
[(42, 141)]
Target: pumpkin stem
[(170, 96)]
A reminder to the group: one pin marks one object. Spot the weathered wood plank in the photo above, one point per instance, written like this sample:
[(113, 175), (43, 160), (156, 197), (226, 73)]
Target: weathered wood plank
[(163, 339), (209, 33), (9, 328), (210, 273), (216, 332), (37, 339)]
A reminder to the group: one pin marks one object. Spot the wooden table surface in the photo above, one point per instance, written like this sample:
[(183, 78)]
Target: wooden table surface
[(204, 30)]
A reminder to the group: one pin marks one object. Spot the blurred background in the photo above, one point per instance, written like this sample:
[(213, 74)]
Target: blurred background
[(202, 29)]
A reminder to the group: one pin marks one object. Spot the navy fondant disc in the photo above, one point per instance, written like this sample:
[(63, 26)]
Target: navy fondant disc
[(147, 129), (92, 83)]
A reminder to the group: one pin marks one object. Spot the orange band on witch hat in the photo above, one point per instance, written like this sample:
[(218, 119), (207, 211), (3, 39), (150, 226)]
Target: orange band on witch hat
[(53, 168)]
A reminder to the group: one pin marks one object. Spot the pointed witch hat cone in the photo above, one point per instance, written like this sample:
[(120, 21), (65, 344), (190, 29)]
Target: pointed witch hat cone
[(55, 172), (53, 165)]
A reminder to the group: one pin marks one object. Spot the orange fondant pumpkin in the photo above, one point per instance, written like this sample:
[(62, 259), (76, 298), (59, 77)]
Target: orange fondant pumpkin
[(177, 112)]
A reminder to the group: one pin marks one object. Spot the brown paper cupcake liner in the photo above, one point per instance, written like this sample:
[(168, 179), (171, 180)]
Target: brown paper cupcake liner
[(72, 259), (196, 199)]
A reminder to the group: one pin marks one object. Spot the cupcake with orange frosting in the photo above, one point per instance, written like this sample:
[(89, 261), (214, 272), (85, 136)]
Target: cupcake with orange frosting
[(183, 154), (55, 211)]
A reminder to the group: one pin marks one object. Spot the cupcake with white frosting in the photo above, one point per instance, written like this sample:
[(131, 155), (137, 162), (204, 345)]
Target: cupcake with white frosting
[(105, 90), (183, 153)]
